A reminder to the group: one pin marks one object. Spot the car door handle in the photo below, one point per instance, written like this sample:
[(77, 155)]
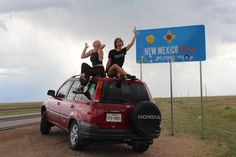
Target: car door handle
[(72, 106), (58, 103)]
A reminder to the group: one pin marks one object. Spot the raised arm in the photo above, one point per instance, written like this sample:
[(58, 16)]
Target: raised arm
[(100, 52), (84, 53), (132, 41)]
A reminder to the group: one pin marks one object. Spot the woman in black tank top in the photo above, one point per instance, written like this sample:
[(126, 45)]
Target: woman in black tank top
[(96, 57)]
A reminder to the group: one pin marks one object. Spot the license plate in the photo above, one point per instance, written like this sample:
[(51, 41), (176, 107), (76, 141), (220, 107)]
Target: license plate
[(113, 117)]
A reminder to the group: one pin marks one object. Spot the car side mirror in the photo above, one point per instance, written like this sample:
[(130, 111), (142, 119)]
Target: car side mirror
[(51, 93)]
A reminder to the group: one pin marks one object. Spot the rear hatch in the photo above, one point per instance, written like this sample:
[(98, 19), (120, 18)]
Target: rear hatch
[(117, 99)]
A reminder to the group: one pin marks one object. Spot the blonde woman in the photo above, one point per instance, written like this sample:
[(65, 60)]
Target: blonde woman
[(96, 57)]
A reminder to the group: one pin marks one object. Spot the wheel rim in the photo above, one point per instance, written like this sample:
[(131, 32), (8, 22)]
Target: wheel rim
[(74, 134)]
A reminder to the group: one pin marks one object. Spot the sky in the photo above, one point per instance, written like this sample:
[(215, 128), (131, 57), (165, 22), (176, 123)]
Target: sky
[(41, 43)]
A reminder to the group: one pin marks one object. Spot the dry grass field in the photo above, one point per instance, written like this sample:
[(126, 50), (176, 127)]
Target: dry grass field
[(219, 119)]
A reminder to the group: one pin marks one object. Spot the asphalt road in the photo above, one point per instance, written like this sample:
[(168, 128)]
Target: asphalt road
[(10, 122)]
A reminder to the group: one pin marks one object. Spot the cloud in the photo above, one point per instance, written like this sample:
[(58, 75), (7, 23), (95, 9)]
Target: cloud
[(29, 5), (229, 38), (41, 42), (3, 26), (216, 10), (3, 71), (34, 60)]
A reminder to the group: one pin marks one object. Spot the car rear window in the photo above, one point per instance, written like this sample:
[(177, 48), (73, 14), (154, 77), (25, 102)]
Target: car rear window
[(124, 93)]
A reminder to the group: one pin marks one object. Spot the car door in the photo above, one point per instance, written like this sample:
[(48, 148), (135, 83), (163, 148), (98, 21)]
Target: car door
[(68, 105), (56, 102)]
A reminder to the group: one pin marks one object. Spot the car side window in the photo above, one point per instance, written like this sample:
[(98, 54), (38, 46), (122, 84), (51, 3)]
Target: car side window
[(91, 90), (88, 95), (75, 86), (63, 91)]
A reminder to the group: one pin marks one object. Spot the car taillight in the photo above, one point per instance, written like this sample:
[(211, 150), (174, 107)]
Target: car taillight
[(98, 92)]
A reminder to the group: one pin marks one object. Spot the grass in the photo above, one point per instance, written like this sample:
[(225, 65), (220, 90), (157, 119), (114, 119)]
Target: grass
[(19, 108), (219, 118)]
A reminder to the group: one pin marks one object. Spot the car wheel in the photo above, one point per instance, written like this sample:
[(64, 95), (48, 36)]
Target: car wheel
[(45, 126), (140, 147), (75, 140)]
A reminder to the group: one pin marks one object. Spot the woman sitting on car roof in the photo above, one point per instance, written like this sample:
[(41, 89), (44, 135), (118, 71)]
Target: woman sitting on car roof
[(96, 57), (116, 59)]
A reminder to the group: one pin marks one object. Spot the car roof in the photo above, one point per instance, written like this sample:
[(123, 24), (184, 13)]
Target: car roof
[(108, 79)]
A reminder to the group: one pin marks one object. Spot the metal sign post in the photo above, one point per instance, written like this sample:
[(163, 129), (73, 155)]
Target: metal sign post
[(202, 114), (141, 71), (171, 101)]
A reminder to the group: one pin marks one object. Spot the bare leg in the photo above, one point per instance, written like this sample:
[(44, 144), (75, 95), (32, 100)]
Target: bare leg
[(116, 68)]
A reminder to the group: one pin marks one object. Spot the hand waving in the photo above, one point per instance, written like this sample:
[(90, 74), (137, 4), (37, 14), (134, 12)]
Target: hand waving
[(86, 45)]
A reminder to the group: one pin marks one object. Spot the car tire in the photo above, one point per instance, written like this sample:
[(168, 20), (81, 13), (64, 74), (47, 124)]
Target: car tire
[(146, 118), (74, 138), (140, 147), (45, 126)]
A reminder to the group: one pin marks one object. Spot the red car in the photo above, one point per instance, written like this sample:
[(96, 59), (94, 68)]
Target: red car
[(109, 110)]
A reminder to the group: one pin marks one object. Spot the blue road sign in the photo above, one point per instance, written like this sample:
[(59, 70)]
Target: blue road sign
[(177, 44)]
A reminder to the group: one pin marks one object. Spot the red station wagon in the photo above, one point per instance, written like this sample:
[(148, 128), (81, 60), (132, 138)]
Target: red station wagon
[(109, 110)]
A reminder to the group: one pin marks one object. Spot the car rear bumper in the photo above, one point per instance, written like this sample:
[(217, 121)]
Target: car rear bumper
[(93, 132)]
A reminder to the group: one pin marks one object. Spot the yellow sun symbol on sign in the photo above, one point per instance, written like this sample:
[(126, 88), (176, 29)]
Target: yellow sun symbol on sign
[(150, 39), (169, 37)]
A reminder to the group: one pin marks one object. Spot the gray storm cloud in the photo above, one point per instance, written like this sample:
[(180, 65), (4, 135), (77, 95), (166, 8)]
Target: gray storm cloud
[(41, 42)]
